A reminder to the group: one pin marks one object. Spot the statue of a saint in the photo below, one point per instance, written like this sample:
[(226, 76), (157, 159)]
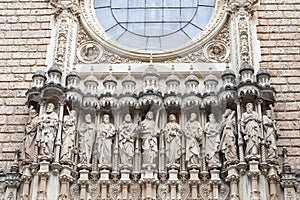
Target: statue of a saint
[(126, 140), (68, 137), (105, 135), (30, 135), (48, 126), (193, 133), (173, 140), (212, 140), (228, 141), (270, 135), (87, 136), (149, 140), (251, 129)]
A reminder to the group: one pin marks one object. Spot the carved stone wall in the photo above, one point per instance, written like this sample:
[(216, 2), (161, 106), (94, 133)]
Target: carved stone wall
[(25, 38)]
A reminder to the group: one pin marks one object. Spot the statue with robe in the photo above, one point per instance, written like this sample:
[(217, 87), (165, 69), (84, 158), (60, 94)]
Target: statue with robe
[(270, 135), (126, 140), (193, 134), (172, 133), (251, 129), (87, 138), (30, 135), (228, 141), (68, 135), (48, 127), (104, 141), (149, 141), (212, 140)]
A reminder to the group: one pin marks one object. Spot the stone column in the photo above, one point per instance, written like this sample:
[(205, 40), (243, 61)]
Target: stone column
[(83, 181), (194, 181), (58, 142), (104, 181), (26, 179), (215, 182), (233, 179), (43, 174), (65, 178), (254, 175), (273, 180), (242, 162), (263, 142), (173, 182), (125, 182)]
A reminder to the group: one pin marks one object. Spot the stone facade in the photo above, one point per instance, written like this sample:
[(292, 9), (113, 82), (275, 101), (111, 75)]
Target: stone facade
[(42, 32)]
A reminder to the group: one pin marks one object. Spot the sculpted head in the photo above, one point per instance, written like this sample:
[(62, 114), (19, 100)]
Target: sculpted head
[(106, 118), (211, 118), (172, 118), (193, 116), (127, 118), (50, 108), (88, 118), (249, 107), (149, 115)]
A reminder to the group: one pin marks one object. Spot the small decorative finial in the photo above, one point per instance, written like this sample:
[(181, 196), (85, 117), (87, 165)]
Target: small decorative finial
[(227, 65), (110, 70), (192, 69), (151, 58), (92, 70), (173, 69)]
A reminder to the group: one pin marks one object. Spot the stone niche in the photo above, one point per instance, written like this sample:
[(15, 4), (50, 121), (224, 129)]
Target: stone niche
[(151, 135)]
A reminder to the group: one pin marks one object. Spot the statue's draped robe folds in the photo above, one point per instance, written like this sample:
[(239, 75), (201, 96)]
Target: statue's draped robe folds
[(251, 129), (193, 133), (173, 142), (104, 140)]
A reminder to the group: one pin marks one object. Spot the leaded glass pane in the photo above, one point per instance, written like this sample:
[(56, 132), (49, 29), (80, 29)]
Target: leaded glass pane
[(153, 24)]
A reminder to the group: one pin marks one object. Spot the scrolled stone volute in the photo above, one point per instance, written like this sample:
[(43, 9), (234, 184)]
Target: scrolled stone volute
[(38, 79), (54, 75), (246, 73), (263, 78)]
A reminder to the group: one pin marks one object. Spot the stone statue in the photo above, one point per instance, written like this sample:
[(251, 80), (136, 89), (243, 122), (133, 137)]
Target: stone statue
[(68, 136), (270, 135), (193, 133), (251, 129), (87, 136), (212, 140), (228, 141), (104, 140), (30, 135), (126, 140), (48, 126), (149, 140), (172, 134)]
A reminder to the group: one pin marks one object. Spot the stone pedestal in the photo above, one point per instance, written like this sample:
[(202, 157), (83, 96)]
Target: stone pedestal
[(254, 174), (65, 178), (26, 179), (233, 178), (215, 181), (194, 181), (83, 181), (43, 174)]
